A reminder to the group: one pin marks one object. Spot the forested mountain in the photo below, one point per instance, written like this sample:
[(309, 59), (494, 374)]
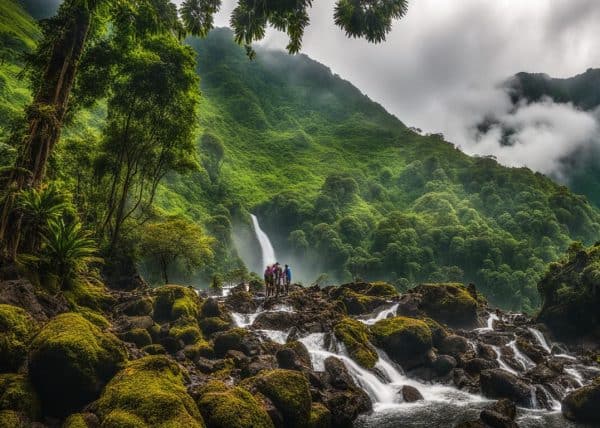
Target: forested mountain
[(340, 185)]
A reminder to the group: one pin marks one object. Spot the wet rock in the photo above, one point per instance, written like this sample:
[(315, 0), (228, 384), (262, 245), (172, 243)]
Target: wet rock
[(449, 303), (210, 308), (258, 364), (410, 394), (486, 352), (275, 320), (542, 373), (498, 383), (536, 354), (477, 365), (301, 352), (241, 301), (362, 298), (444, 365), (454, 345), (504, 407), (583, 404), (408, 305), (355, 336), (338, 374), (238, 339), (496, 420)]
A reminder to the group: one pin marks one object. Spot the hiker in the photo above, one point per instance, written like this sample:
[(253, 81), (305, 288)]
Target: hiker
[(288, 278), (278, 274), (269, 280)]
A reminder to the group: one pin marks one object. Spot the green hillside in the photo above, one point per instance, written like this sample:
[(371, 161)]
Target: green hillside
[(341, 186)]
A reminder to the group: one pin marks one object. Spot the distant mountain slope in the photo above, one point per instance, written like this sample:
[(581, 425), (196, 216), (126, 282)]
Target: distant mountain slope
[(40, 9), (344, 188)]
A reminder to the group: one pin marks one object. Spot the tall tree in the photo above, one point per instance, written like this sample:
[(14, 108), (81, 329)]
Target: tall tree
[(67, 37)]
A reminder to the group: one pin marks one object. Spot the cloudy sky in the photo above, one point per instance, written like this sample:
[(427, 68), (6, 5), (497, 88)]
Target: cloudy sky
[(439, 69)]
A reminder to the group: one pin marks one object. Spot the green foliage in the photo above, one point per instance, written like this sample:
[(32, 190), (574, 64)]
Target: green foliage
[(148, 392), (70, 360), (173, 301), (224, 407), (176, 240), (17, 328), (355, 336)]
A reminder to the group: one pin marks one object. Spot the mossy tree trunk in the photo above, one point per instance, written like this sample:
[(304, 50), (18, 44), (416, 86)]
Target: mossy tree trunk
[(45, 117)]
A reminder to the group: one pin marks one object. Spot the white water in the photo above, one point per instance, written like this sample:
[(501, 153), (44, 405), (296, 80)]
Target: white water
[(521, 358), (243, 320), (490, 323), (276, 336), (539, 336), (268, 253), (381, 315), (503, 365)]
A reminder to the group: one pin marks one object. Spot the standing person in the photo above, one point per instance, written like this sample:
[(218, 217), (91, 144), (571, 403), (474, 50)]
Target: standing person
[(268, 280), (278, 275), (288, 278)]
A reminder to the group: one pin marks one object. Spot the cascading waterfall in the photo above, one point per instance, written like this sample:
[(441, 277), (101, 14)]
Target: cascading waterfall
[(382, 315), (267, 251), (540, 338)]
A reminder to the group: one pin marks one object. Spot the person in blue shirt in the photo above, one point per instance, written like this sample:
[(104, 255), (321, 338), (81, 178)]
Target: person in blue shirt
[(288, 278)]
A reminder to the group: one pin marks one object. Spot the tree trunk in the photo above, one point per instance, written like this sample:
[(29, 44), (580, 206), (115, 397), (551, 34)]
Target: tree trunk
[(45, 116)]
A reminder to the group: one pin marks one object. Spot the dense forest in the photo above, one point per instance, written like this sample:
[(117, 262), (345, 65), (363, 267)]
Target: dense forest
[(341, 186)]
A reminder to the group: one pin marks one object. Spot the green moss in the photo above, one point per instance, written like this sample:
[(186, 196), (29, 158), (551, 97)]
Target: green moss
[(70, 361), (381, 289), (189, 333), (357, 303), (230, 339), (90, 295), (213, 325), (155, 349), (201, 348), (450, 303), (148, 392), (404, 339), (16, 393), (139, 336), (76, 420), (355, 336), (12, 419), (289, 391), (173, 301), (17, 328), (94, 317), (224, 407), (141, 306), (320, 416)]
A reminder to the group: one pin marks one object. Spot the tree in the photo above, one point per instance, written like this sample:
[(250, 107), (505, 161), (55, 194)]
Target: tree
[(68, 35), (176, 239), (213, 153)]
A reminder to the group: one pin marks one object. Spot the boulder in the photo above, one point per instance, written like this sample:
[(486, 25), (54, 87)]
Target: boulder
[(81, 420), (405, 340), (500, 414), (444, 364), (225, 407), (13, 419), (41, 306), (136, 306), (339, 377), (213, 325), (301, 352), (258, 364), (210, 308), (138, 336), (241, 301), (70, 361), (454, 345), (238, 339), (583, 404), (173, 301), (148, 392), (17, 393), (289, 391), (355, 336), (278, 320), (17, 328), (448, 303), (320, 416), (498, 383), (537, 355), (475, 366), (410, 394)]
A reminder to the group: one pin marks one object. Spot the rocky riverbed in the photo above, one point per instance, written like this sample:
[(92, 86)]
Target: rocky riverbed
[(358, 354)]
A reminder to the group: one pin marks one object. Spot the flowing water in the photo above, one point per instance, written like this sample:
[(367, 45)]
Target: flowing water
[(268, 253), (382, 315), (539, 336)]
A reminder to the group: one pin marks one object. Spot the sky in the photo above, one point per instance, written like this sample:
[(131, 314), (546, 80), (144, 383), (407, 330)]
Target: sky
[(440, 67)]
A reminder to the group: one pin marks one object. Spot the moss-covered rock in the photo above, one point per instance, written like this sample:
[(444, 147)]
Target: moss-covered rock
[(94, 317), (449, 303), (231, 339), (154, 349), (405, 340), (213, 325), (186, 330), (139, 336), (16, 393), (320, 416), (289, 391), (17, 328), (81, 420), (12, 419), (173, 301), (359, 298), (92, 295), (224, 407), (355, 336), (70, 361), (139, 306), (148, 392), (201, 348), (583, 404)]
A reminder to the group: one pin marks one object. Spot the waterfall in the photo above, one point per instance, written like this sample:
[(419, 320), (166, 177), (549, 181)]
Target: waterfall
[(268, 253), (381, 315), (540, 338)]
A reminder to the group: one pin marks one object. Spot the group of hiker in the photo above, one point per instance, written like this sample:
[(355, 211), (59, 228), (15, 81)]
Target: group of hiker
[(277, 279)]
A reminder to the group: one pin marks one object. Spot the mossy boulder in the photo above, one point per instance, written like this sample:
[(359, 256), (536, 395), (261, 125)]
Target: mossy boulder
[(94, 317), (139, 336), (139, 306), (173, 301), (70, 361), (320, 416), (17, 393), (405, 340), (12, 419), (448, 303), (148, 392), (224, 407), (289, 391), (374, 289), (154, 349), (361, 298), (355, 336), (186, 330), (213, 325), (17, 328), (583, 404), (81, 420), (230, 340)]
